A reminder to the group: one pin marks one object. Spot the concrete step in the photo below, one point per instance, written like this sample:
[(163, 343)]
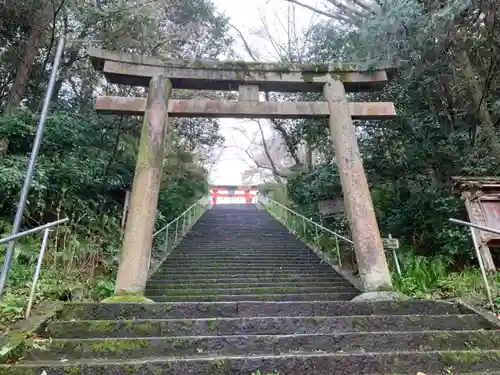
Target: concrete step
[(260, 297), (183, 346), (152, 292), (179, 310), (260, 326), (402, 362)]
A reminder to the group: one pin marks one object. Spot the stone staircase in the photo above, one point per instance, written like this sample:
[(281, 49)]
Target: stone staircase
[(242, 296)]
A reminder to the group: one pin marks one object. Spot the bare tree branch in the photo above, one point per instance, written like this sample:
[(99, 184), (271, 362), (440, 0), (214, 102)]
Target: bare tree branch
[(350, 12), (315, 10)]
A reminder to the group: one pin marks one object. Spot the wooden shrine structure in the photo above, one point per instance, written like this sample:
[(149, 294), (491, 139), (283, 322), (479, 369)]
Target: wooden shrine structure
[(248, 193), (164, 77), (481, 196)]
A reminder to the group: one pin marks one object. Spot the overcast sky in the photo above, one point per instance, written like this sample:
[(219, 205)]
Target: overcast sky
[(247, 15)]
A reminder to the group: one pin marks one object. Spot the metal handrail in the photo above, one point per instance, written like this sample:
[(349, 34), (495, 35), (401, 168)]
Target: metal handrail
[(473, 227), (47, 227), (312, 222), (33, 230), (189, 218), (178, 217), (318, 227)]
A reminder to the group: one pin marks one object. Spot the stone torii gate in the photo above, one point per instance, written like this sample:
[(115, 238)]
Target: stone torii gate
[(161, 76)]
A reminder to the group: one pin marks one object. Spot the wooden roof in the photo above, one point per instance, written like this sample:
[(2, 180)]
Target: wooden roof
[(475, 183)]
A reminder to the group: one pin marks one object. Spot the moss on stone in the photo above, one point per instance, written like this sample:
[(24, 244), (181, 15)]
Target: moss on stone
[(203, 308), (469, 358), (213, 325), (124, 298), (72, 370), (129, 369), (179, 343), (222, 367), (143, 327), (118, 346), (18, 371), (103, 326)]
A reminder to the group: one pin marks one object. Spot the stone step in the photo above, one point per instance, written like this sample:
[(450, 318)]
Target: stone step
[(183, 346), (260, 326), (250, 280), (214, 267), (402, 362), (239, 264), (260, 297), (296, 254), (179, 310), (161, 284), (176, 274), (200, 257), (152, 292)]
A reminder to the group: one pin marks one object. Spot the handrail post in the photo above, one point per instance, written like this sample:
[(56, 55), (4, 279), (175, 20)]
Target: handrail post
[(37, 271), (176, 230), (31, 164), (338, 251), (166, 239), (481, 266), (317, 236)]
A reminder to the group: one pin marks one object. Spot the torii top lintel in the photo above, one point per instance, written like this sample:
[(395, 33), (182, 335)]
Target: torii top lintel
[(137, 70)]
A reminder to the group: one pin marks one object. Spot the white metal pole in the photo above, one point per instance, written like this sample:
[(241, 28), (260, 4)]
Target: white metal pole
[(37, 271)]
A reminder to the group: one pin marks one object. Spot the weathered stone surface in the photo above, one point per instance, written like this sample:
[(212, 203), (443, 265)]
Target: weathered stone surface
[(262, 326), (370, 255), (248, 93), (340, 296), (179, 310), (136, 254), (152, 292), (380, 296), (218, 75), (264, 344), (158, 284), (230, 109), (408, 363), (239, 337), (16, 337)]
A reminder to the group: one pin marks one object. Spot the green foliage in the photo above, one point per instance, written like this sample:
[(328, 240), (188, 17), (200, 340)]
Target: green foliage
[(430, 278), (85, 165), (86, 162)]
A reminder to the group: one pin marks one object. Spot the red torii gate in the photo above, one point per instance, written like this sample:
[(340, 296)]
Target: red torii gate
[(249, 192)]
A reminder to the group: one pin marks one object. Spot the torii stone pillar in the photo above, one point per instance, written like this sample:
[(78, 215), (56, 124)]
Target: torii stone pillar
[(136, 253), (372, 263)]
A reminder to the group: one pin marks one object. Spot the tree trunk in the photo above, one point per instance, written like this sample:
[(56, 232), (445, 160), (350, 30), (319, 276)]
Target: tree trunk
[(479, 99), (309, 157), (25, 65)]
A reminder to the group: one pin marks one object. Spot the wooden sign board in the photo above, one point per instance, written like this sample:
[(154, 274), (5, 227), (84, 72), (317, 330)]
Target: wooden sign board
[(331, 207), (390, 243)]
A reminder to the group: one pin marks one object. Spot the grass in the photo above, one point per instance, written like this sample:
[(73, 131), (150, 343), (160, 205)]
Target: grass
[(422, 277), (431, 278)]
